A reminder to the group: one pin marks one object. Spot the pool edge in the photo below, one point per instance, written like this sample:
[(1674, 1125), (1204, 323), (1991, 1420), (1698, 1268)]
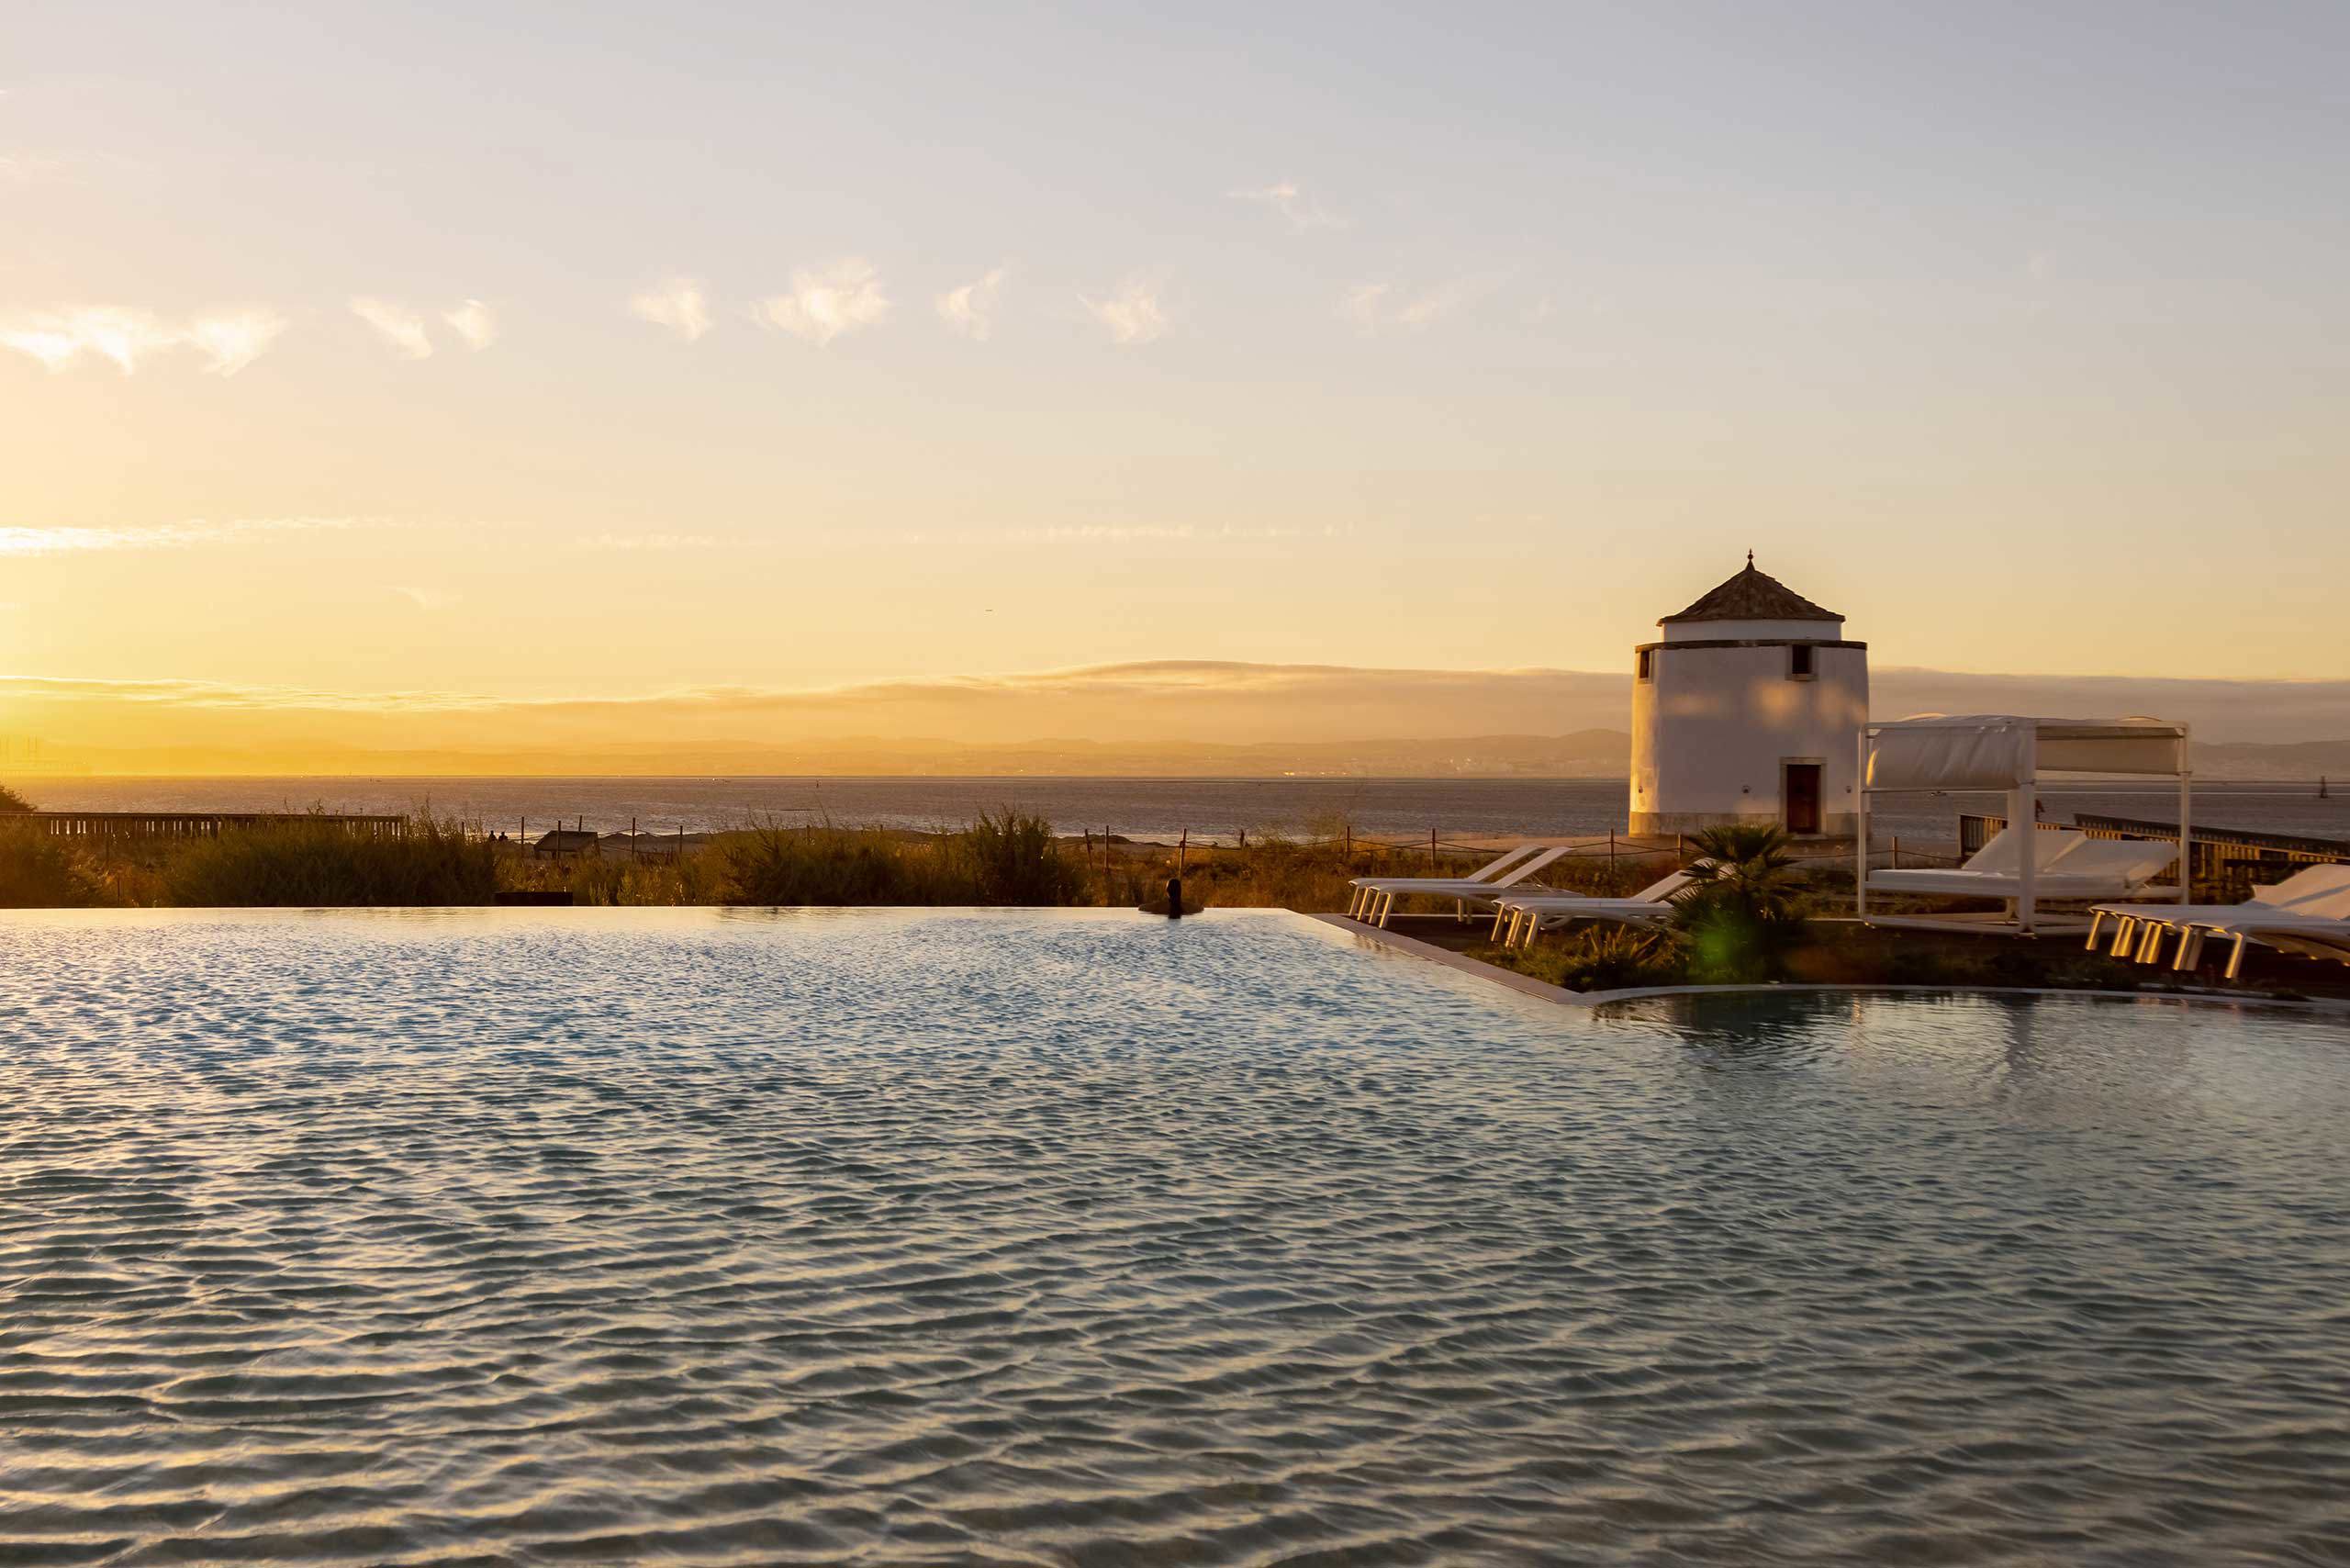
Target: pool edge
[(1594, 1000)]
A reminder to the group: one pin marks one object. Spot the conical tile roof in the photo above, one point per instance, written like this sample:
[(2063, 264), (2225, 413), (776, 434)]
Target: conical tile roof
[(1752, 596)]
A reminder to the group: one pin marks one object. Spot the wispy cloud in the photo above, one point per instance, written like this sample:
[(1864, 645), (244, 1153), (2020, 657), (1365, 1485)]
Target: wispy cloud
[(26, 540), (230, 340), (58, 338), (1363, 305), (1119, 533), (1301, 211), (399, 326), (969, 311), (28, 168), (825, 302), (1437, 303), (1373, 307), (1133, 315), (1122, 533), (678, 304), (233, 340), (650, 541), (474, 321)]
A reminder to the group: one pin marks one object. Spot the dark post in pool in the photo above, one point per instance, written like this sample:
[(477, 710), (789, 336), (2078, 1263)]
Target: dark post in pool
[(1174, 898)]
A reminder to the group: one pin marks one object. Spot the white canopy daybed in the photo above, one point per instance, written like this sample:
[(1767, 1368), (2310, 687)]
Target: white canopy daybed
[(2010, 754)]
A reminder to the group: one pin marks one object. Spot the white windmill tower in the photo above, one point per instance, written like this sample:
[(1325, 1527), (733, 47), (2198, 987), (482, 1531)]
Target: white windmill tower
[(1749, 710)]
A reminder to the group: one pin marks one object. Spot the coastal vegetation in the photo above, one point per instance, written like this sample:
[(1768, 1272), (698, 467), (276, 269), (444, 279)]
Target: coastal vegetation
[(1002, 857), (1738, 917), (319, 863), (1752, 912), (40, 872)]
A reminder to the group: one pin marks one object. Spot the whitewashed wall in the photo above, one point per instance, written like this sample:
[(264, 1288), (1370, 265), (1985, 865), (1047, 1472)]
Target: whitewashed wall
[(1712, 726)]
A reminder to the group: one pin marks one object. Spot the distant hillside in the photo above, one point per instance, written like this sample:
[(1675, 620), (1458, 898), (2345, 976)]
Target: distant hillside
[(1585, 754), (1581, 754), (2302, 759)]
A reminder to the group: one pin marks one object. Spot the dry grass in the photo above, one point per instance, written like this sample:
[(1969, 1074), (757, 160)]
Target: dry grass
[(40, 872), (999, 859), (311, 863)]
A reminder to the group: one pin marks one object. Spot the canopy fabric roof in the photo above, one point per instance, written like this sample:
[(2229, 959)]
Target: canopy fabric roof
[(2001, 751), (1752, 596)]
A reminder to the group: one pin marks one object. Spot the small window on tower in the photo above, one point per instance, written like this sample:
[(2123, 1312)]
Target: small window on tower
[(1641, 668), (1800, 661)]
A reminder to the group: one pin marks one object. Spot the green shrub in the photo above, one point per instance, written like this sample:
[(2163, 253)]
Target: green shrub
[(623, 880), (38, 871), (1006, 858), (12, 801), (1015, 859), (309, 864), (815, 865), (1608, 957), (1738, 914)]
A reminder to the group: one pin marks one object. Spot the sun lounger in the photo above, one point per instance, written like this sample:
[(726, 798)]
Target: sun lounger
[(1490, 875), (2070, 865), (2140, 928), (1992, 865), (1526, 914), (1375, 896), (1486, 873), (2308, 912), (2310, 935)]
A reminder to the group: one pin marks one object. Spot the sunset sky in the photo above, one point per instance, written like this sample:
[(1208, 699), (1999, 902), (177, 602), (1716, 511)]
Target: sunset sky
[(597, 352)]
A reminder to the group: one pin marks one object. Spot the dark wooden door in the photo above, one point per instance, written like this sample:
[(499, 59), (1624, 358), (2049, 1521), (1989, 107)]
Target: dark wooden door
[(1803, 797)]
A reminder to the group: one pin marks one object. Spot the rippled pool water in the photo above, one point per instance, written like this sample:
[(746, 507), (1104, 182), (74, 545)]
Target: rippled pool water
[(602, 1236)]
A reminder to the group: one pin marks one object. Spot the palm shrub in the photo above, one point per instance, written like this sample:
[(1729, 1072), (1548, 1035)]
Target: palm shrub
[(1738, 914)]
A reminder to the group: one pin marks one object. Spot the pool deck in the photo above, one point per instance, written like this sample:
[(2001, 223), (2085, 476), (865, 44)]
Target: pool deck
[(1398, 942)]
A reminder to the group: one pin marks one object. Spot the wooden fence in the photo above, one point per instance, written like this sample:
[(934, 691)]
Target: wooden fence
[(195, 824)]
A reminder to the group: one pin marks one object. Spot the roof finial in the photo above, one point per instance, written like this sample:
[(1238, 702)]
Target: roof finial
[(1750, 560)]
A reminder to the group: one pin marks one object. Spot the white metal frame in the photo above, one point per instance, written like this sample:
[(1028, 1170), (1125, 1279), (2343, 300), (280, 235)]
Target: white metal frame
[(2023, 814)]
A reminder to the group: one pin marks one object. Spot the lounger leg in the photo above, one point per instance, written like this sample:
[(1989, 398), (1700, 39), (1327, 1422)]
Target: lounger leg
[(1499, 914), (2190, 949), (2151, 950), (2235, 959), (2122, 928), (2096, 918), (1386, 908)]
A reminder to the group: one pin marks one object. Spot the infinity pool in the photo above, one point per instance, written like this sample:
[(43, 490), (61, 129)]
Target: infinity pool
[(577, 1237)]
